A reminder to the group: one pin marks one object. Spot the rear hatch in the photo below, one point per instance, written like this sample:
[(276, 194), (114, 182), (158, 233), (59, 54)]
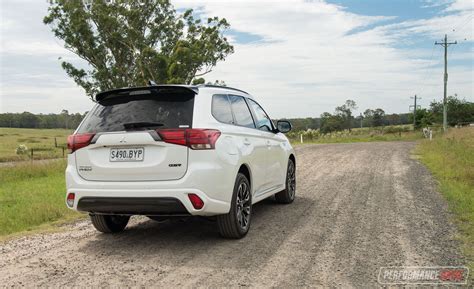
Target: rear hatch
[(122, 135)]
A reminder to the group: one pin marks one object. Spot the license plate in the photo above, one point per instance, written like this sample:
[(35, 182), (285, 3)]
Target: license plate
[(126, 154)]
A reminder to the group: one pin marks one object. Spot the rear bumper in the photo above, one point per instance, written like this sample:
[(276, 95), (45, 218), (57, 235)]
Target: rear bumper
[(143, 201), (212, 184), (132, 206)]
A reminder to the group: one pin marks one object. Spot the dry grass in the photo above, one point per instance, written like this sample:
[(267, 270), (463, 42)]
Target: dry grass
[(387, 133), (40, 140), (451, 160), (32, 195)]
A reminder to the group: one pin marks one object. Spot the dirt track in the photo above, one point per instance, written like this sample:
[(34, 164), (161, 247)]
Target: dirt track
[(358, 207)]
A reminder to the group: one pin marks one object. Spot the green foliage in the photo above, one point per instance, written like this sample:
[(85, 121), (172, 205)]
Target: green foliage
[(385, 133), (459, 110), (344, 114), (31, 195), (341, 119), (450, 158), (29, 120), (374, 118), (218, 82), (299, 124), (42, 141), (127, 43), (330, 122)]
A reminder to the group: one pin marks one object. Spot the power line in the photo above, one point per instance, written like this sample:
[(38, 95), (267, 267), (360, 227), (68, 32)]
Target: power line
[(430, 66), (462, 22)]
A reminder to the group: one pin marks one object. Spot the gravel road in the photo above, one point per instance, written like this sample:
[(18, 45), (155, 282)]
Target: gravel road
[(359, 207)]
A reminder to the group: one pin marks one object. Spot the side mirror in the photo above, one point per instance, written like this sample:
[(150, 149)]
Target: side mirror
[(283, 126)]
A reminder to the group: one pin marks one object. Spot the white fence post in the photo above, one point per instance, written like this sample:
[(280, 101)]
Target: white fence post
[(301, 138)]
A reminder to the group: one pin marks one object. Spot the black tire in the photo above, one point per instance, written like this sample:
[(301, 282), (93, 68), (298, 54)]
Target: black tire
[(109, 223), (287, 196), (236, 223)]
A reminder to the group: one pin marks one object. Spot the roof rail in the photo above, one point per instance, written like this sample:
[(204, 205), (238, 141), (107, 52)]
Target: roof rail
[(224, 87)]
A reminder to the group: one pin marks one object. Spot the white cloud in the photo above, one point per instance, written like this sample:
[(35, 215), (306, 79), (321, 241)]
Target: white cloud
[(19, 98), (317, 64), (31, 48), (310, 60), (461, 5)]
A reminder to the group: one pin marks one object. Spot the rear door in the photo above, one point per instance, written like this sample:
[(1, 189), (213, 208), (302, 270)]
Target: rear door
[(251, 141), (127, 146), (275, 169)]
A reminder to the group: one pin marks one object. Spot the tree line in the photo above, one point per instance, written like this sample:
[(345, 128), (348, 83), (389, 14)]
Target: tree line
[(25, 119), (460, 112)]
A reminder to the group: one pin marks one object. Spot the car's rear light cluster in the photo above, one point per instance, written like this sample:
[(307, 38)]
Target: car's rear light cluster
[(77, 141), (70, 199), (196, 139)]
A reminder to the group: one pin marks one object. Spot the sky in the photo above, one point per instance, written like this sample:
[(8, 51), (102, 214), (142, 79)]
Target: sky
[(298, 58)]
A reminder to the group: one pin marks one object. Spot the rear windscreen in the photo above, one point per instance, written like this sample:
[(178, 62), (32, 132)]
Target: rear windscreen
[(162, 111)]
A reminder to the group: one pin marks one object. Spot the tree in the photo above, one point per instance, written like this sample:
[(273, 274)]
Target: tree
[(127, 43), (374, 117), (29, 120), (218, 82), (393, 119), (378, 117), (330, 123), (345, 113), (423, 118), (459, 111), (368, 117)]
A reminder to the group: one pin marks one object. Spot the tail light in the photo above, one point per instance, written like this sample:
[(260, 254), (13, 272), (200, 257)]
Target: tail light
[(196, 201), (77, 141), (70, 199), (196, 139)]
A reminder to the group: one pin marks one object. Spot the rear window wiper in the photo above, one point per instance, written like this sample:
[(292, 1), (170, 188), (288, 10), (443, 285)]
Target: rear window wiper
[(132, 125)]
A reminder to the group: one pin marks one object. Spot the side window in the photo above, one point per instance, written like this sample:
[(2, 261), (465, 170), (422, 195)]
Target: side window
[(221, 108), (241, 111), (263, 121)]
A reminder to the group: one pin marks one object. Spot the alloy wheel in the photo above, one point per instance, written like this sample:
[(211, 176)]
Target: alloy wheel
[(291, 180), (243, 205)]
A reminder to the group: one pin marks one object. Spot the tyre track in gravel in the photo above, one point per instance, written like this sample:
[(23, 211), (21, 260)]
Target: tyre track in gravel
[(359, 207)]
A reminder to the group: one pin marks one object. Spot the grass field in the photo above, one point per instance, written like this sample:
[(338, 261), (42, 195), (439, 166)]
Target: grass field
[(41, 141), (451, 160), (32, 194), (388, 133)]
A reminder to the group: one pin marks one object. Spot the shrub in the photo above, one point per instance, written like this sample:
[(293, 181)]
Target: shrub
[(21, 149)]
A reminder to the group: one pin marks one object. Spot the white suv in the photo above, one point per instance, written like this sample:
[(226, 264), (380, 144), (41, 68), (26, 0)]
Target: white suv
[(174, 150)]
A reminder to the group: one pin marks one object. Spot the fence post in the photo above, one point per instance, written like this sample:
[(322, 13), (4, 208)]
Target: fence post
[(55, 143), (431, 134), (63, 151), (301, 138)]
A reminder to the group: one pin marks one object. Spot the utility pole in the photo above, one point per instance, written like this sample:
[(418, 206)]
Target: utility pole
[(445, 44), (414, 111)]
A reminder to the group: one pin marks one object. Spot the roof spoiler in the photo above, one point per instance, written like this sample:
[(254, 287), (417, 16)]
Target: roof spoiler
[(141, 90)]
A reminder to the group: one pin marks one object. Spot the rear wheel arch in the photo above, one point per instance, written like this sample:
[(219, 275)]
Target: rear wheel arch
[(292, 157), (245, 170), (287, 196)]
